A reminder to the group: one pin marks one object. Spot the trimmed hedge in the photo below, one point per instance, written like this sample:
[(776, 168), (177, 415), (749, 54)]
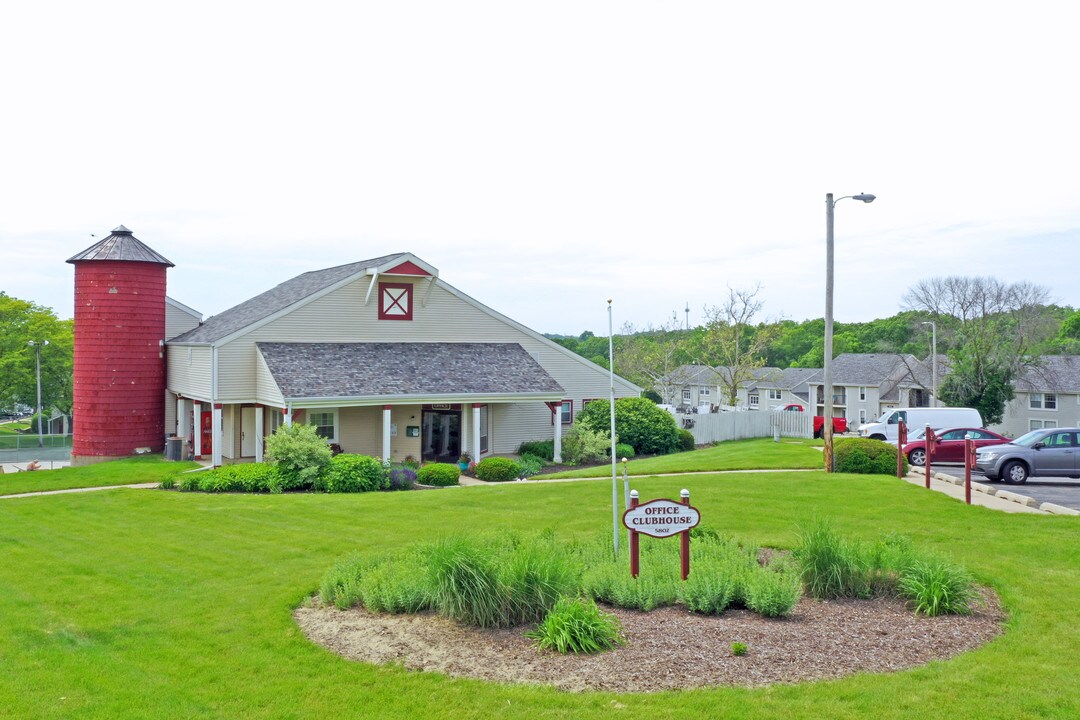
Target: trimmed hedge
[(439, 474), (497, 469), (622, 450), (863, 455), (245, 477), (650, 429), (352, 473), (543, 449)]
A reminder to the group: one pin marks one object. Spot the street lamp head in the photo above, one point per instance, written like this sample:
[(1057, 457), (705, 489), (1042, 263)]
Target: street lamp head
[(865, 197)]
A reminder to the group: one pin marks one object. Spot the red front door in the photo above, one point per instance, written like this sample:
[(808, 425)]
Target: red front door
[(207, 429)]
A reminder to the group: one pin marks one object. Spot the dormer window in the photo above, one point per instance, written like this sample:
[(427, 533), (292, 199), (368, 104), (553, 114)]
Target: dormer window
[(395, 301)]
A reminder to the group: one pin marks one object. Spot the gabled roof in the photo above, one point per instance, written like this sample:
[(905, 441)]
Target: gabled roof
[(869, 369), (120, 245), (381, 370), (694, 375), (1054, 373), (276, 299)]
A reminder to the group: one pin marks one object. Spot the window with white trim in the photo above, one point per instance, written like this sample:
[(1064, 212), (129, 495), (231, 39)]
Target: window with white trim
[(686, 395), (704, 392), (325, 423), (1041, 424), (862, 393), (1043, 401), (775, 394), (566, 412), (754, 400), (483, 429), (862, 415)]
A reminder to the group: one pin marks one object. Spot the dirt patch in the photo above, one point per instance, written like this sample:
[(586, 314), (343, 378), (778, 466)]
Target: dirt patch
[(669, 648)]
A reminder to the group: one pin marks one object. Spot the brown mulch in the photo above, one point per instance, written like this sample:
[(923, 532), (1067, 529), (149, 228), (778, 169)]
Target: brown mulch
[(669, 648)]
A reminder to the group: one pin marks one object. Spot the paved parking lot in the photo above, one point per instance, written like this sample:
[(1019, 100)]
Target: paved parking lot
[(1060, 491)]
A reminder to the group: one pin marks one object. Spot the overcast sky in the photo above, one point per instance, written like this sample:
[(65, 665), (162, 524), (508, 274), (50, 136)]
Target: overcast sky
[(547, 156)]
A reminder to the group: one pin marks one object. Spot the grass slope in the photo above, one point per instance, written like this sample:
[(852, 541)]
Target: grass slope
[(163, 605), (148, 468), (762, 454)]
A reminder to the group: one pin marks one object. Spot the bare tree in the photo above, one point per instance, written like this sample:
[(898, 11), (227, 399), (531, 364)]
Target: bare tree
[(655, 358), (734, 343)]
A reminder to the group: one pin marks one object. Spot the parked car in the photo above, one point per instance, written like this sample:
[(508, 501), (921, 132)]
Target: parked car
[(884, 428), (839, 423), (1050, 451), (950, 444)]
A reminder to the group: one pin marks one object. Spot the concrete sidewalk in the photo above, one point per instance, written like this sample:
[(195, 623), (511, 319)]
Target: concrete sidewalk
[(986, 495)]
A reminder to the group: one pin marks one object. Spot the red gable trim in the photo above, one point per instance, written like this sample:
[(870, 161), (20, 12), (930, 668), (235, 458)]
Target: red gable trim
[(407, 268)]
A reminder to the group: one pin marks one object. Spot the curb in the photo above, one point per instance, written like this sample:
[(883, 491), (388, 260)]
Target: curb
[(1018, 498), (1058, 509)]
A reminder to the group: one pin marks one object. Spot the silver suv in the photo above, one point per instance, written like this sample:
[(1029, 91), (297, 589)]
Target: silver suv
[(1050, 451)]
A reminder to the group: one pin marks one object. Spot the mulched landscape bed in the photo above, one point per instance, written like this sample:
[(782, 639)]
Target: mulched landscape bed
[(669, 648)]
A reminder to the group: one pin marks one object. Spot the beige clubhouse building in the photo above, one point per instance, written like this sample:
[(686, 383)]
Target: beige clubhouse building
[(384, 357)]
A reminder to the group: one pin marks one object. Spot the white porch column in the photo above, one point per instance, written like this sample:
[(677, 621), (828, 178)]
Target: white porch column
[(476, 432), (288, 415), (181, 418), (259, 412), (465, 428), (556, 416), (385, 432), (197, 432), (216, 435)]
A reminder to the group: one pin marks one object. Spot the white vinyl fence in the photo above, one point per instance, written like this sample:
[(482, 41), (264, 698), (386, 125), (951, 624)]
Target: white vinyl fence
[(717, 427)]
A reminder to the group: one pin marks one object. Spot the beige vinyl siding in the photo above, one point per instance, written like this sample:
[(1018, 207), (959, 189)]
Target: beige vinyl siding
[(266, 390), (189, 374), (178, 321), (360, 430), (341, 316)]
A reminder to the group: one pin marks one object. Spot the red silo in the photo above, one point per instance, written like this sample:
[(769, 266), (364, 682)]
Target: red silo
[(119, 392)]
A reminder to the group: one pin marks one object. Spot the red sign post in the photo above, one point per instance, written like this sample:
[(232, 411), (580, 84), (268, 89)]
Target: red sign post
[(661, 518), (931, 441), (901, 441), (969, 462)]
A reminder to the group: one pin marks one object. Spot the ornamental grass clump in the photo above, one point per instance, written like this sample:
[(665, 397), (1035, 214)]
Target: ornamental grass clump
[(535, 575), (936, 587), (465, 583), (831, 566), (577, 625)]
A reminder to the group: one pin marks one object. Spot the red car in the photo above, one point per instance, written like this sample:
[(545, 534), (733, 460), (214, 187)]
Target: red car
[(950, 445)]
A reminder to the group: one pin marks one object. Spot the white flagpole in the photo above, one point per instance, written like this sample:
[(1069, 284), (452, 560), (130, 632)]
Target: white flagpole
[(611, 399)]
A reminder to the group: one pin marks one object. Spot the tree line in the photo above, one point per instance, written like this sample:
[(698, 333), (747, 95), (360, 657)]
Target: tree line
[(991, 332), (22, 321)]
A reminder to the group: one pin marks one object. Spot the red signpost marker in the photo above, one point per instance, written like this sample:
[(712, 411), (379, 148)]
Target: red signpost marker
[(930, 440), (969, 460), (684, 549), (635, 554), (901, 441)]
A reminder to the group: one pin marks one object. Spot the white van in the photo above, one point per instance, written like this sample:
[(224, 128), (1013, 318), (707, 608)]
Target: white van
[(917, 418)]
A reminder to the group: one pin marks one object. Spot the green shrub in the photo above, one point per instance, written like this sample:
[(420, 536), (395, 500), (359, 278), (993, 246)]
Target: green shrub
[(300, 455), (863, 455), (340, 585), (739, 649), (936, 587), (536, 575), (242, 477), (576, 625), (623, 450), (348, 473), (771, 593), (497, 469), (686, 440), (396, 585), (584, 445), (167, 484), (439, 474), (464, 577), (832, 567), (709, 590), (544, 449), (640, 423), (531, 465)]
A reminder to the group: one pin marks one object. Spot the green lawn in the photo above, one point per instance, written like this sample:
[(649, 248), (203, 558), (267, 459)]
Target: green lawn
[(762, 454), (150, 604), (149, 468), (11, 428)]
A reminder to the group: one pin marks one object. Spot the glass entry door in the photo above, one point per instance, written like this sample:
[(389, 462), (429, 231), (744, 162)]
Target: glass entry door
[(441, 435)]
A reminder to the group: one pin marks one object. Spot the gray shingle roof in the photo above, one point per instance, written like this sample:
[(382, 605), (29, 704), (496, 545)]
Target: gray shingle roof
[(359, 370), (120, 245), (869, 369), (1055, 373), (261, 306)]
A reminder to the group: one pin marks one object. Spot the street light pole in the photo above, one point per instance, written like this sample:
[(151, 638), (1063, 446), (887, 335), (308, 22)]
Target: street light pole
[(37, 348), (933, 359), (827, 424)]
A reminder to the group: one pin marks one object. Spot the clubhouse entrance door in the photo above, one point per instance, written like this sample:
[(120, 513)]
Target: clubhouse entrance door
[(440, 433)]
